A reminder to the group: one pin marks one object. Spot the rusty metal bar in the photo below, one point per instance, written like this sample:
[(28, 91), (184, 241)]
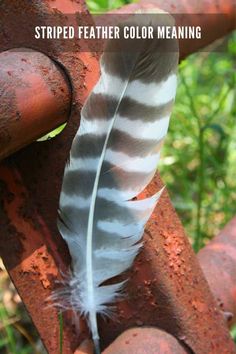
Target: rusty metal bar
[(218, 261), (220, 19), (218, 255), (175, 295), (182, 7), (172, 291), (145, 340), (35, 98)]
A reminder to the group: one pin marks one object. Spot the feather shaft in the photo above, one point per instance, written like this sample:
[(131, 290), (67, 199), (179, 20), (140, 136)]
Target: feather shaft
[(89, 251)]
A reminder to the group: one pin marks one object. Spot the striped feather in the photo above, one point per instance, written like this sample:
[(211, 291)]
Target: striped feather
[(113, 157)]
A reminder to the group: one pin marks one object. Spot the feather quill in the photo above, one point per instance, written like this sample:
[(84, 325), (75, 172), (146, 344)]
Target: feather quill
[(114, 156)]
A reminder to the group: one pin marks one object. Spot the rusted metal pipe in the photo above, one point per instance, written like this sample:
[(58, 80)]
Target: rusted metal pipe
[(172, 292), (217, 18), (218, 257), (35, 98), (218, 261), (145, 341), (183, 7)]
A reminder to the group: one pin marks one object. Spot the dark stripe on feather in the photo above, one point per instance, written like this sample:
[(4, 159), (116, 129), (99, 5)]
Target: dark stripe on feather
[(90, 145), (99, 106), (105, 211), (81, 182), (152, 61), (129, 108), (134, 110)]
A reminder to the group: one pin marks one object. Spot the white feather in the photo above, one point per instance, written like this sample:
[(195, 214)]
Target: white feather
[(113, 157)]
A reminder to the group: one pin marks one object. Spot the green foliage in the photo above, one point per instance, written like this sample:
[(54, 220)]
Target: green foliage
[(98, 6), (12, 339), (52, 134), (60, 318), (7, 340), (233, 333), (199, 154)]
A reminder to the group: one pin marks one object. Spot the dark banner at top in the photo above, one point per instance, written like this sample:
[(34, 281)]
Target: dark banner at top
[(81, 32)]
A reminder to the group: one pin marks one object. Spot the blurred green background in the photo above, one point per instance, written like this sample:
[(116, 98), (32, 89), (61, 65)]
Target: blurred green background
[(199, 155), (198, 167)]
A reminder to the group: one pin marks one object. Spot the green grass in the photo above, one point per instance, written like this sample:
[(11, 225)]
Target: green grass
[(199, 155), (233, 333), (98, 6), (17, 334), (60, 317), (8, 337), (13, 338)]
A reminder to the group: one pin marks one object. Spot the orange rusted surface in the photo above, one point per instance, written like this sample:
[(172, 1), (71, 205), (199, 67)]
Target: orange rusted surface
[(166, 288), (32, 250), (35, 98), (218, 261), (31, 258)]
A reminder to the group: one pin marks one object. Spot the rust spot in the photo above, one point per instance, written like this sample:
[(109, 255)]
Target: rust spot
[(41, 264)]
